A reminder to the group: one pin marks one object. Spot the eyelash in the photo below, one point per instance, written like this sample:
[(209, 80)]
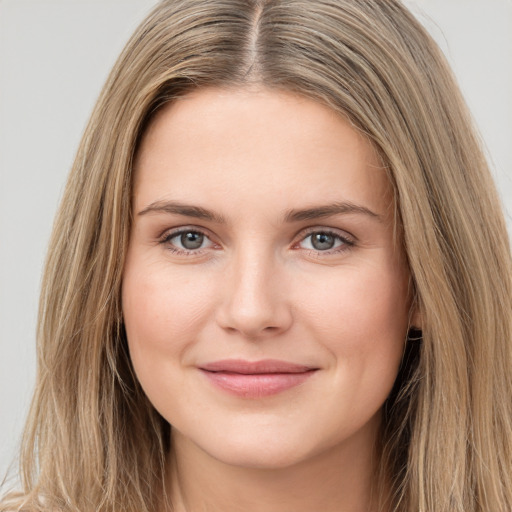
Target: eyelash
[(167, 237), (347, 242)]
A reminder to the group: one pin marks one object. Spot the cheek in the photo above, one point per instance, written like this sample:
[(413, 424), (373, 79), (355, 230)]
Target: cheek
[(163, 313), (362, 320), (375, 312), (355, 305), (160, 306)]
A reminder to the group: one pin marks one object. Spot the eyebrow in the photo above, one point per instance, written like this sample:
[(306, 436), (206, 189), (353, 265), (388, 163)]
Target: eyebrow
[(187, 210), (339, 208), (294, 215)]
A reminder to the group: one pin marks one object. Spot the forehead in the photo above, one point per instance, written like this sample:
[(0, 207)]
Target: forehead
[(260, 144)]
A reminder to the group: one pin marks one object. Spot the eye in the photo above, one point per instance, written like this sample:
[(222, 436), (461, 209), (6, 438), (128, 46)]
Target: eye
[(190, 240), (325, 241), (187, 240)]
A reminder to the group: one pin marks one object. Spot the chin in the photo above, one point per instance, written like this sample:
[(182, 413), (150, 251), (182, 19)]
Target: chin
[(260, 457), (249, 448)]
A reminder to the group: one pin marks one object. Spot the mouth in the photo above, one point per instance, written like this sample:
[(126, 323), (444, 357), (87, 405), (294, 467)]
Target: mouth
[(256, 379)]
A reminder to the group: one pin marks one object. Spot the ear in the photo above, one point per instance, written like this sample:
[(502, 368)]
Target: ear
[(415, 315), (416, 319)]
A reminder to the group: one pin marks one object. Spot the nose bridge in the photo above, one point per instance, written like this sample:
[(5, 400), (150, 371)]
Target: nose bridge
[(253, 300)]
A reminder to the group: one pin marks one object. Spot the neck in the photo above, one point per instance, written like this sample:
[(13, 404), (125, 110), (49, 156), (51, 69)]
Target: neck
[(337, 480)]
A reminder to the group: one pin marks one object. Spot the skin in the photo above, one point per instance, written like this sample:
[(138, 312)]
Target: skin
[(258, 288)]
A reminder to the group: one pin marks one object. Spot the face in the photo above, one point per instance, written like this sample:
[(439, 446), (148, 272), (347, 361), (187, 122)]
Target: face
[(264, 297)]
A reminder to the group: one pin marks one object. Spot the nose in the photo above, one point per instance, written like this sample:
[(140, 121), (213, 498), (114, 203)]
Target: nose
[(254, 300)]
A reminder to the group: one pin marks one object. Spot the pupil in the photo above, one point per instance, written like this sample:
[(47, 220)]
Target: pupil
[(192, 240), (322, 241)]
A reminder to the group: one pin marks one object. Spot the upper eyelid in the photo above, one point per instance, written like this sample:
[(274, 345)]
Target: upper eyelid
[(172, 232), (169, 234), (323, 229)]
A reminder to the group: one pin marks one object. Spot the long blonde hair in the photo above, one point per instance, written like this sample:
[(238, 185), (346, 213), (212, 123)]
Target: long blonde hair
[(94, 442)]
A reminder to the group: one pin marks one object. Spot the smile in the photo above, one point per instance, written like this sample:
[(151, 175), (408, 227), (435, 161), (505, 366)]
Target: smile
[(258, 379)]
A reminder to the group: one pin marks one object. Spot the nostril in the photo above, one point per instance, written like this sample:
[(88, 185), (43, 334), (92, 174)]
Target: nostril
[(251, 306)]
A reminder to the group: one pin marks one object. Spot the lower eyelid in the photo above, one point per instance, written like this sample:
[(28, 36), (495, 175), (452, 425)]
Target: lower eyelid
[(167, 235)]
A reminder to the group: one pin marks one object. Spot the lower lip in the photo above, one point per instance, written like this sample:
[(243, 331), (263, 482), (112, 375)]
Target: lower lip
[(256, 385)]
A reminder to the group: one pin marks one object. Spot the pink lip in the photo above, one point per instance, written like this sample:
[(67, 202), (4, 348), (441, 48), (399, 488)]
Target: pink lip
[(256, 379)]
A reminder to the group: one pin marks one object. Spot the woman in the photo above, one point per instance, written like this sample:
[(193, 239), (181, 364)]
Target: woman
[(280, 237)]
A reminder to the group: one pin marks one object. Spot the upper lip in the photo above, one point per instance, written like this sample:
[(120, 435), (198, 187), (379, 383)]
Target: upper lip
[(255, 367)]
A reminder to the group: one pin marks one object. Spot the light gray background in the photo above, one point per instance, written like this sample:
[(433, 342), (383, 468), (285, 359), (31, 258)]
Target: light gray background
[(54, 57)]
